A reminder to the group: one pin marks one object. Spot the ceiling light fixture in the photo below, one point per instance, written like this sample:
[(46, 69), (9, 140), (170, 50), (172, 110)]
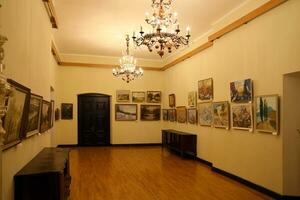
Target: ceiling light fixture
[(165, 34), (127, 70)]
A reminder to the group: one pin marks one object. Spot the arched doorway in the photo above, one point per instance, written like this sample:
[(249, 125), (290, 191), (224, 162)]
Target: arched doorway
[(93, 119)]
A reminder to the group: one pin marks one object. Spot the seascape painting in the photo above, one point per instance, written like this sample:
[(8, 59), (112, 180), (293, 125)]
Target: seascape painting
[(138, 97), (45, 117), (221, 114), (192, 99), (123, 95), (150, 112), (34, 116), (172, 115), (205, 89), (241, 91), (205, 114), (241, 116), (126, 112), (153, 96), (181, 114), (266, 114), (192, 115)]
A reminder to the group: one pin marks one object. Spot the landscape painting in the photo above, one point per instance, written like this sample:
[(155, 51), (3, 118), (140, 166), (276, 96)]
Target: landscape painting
[(205, 89), (126, 112), (241, 116), (172, 100), (205, 114), (165, 114), (153, 96), (16, 117), (241, 91), (181, 114), (34, 116), (123, 95), (192, 99), (266, 114), (138, 97), (192, 115), (172, 115), (45, 117), (150, 112), (221, 114)]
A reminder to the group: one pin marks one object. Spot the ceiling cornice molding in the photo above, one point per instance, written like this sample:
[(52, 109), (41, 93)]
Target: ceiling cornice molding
[(51, 12), (189, 52)]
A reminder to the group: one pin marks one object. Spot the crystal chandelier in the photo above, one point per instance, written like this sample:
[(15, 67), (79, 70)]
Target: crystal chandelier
[(127, 70), (165, 33)]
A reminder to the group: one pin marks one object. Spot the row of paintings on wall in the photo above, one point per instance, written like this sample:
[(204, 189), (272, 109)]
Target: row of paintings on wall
[(129, 112), (240, 92), (27, 114), (224, 115), (138, 96)]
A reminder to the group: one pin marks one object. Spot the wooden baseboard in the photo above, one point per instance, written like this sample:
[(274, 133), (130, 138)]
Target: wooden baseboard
[(137, 145), (290, 197), (204, 161)]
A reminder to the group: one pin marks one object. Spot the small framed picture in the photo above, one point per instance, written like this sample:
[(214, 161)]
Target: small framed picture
[(165, 114), (241, 116), (150, 112), (267, 114), (221, 114), (126, 112), (172, 100), (205, 89), (138, 97), (192, 99), (192, 115), (66, 111), (181, 114), (123, 95), (52, 113), (57, 114), (172, 115), (45, 117), (205, 114), (241, 91), (153, 96), (34, 117)]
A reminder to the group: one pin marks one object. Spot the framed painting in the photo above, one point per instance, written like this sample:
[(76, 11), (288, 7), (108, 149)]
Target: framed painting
[(205, 89), (165, 114), (34, 116), (221, 114), (205, 114), (153, 96), (181, 114), (126, 112), (138, 97), (192, 115), (15, 120), (241, 116), (123, 95), (66, 111), (172, 115), (241, 91), (172, 100), (150, 112), (267, 114), (192, 99), (57, 114), (45, 117), (52, 113)]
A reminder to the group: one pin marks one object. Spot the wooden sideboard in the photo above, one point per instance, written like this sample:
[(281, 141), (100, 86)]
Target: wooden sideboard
[(45, 177), (181, 142)]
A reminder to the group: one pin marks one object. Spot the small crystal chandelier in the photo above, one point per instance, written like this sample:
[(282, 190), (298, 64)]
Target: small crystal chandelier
[(127, 70), (165, 33)]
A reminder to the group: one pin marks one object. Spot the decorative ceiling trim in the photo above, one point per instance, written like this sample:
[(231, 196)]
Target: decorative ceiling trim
[(247, 18), (51, 12), (211, 39)]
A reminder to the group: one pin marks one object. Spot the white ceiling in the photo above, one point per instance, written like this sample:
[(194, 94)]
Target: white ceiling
[(98, 27)]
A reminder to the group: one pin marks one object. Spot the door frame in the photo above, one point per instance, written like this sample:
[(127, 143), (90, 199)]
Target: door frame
[(109, 115)]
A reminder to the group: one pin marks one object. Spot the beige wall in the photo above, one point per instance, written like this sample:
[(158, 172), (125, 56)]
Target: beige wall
[(262, 50), (29, 61), (291, 137), (79, 80)]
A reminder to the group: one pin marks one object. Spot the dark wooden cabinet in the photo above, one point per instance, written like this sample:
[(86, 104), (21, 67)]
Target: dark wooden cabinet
[(45, 177), (181, 142)]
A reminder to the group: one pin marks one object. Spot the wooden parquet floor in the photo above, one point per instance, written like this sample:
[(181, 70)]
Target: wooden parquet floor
[(148, 173)]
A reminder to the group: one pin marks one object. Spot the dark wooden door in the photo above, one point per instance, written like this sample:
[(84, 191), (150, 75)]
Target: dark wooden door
[(93, 120)]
